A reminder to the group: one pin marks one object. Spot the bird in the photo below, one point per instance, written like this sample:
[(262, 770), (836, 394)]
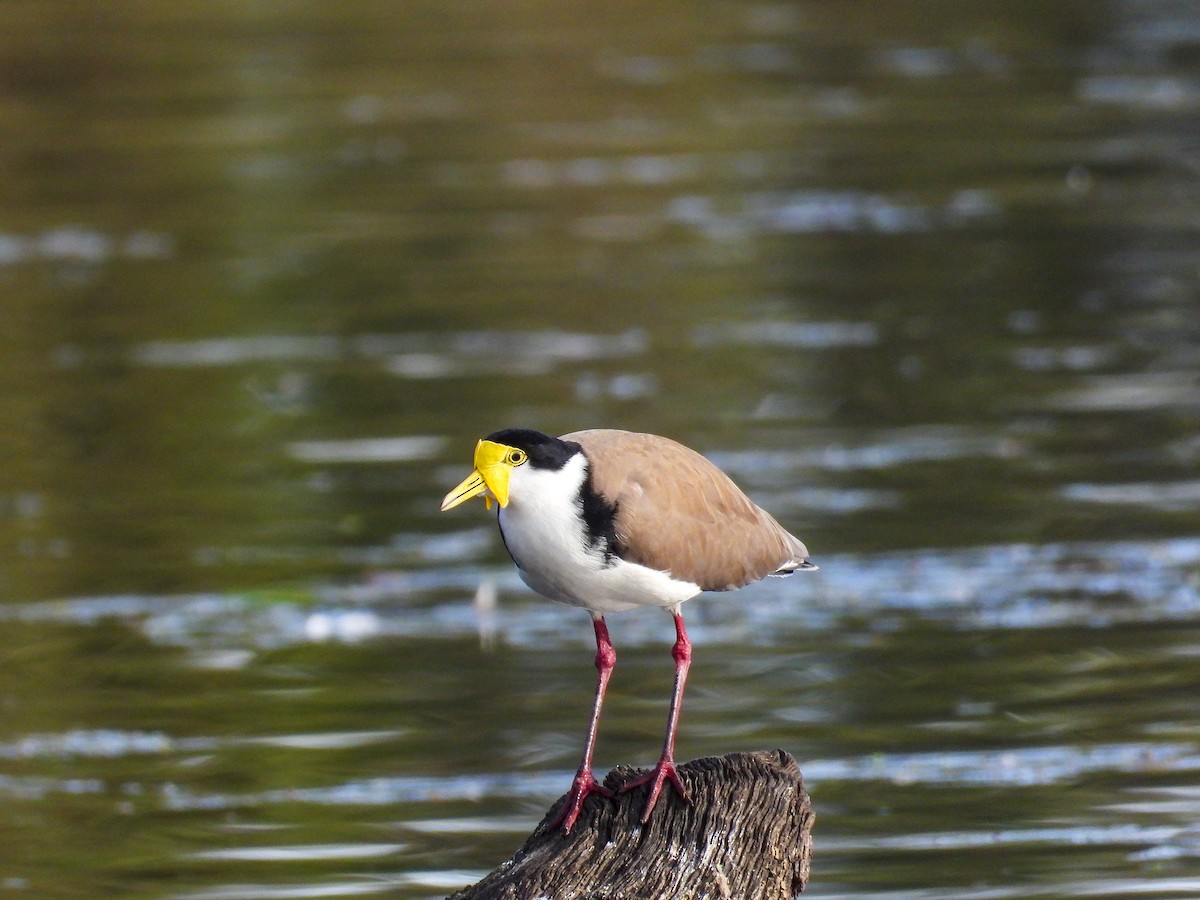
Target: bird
[(609, 521)]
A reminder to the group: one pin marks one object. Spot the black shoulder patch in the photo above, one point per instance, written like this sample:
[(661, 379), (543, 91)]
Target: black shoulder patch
[(599, 519)]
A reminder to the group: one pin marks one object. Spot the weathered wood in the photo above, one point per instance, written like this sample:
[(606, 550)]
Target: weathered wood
[(747, 835)]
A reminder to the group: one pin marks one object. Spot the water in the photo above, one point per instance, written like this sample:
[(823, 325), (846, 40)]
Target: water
[(922, 279)]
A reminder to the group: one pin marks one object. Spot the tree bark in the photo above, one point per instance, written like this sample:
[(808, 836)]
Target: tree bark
[(747, 835)]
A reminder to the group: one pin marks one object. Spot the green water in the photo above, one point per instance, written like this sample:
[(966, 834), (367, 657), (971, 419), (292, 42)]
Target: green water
[(921, 277)]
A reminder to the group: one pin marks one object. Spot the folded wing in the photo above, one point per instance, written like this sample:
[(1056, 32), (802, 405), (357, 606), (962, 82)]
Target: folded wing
[(679, 513)]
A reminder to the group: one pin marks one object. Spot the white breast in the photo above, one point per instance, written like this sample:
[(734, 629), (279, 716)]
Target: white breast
[(545, 534)]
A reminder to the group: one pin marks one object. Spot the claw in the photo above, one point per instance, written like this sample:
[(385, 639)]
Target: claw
[(583, 785), (663, 772)]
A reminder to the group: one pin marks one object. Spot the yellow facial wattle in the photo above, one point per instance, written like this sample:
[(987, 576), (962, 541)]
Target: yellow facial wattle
[(493, 468)]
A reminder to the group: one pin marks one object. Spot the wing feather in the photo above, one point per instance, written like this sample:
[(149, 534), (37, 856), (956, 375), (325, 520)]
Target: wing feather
[(678, 513)]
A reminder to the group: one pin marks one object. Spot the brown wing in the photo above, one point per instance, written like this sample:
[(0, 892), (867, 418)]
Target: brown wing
[(679, 513)]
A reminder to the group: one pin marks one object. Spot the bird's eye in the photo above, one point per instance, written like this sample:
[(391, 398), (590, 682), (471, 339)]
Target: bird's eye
[(516, 457)]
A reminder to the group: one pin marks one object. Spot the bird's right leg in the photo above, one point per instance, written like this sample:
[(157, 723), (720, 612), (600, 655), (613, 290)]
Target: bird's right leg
[(585, 783)]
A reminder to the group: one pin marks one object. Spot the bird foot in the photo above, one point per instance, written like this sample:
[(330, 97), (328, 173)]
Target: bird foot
[(663, 772), (583, 785)]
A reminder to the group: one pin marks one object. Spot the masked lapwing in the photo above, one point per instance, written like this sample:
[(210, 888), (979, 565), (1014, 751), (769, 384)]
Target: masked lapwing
[(612, 520)]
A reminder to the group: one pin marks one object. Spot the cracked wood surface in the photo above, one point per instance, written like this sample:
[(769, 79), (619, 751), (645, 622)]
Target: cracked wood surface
[(747, 835)]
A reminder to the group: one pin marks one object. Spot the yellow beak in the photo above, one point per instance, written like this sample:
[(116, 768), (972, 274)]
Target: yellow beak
[(490, 478)]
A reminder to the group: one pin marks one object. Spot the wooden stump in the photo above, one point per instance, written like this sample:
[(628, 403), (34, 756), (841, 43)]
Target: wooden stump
[(747, 835)]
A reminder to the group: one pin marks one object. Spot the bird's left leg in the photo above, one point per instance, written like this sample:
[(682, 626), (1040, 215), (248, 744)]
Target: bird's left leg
[(665, 769), (585, 782)]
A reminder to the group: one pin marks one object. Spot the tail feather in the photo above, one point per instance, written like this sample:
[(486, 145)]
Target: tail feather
[(795, 565)]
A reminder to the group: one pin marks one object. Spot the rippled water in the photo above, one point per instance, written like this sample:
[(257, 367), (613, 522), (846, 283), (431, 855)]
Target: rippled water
[(922, 279)]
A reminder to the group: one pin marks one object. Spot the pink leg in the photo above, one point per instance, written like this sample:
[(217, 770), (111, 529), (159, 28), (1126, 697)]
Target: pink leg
[(665, 769), (585, 783)]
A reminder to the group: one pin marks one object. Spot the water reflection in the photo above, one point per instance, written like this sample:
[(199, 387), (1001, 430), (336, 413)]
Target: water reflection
[(1010, 586), (923, 284)]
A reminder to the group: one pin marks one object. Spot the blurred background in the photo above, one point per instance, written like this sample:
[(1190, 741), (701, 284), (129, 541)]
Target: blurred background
[(922, 276)]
